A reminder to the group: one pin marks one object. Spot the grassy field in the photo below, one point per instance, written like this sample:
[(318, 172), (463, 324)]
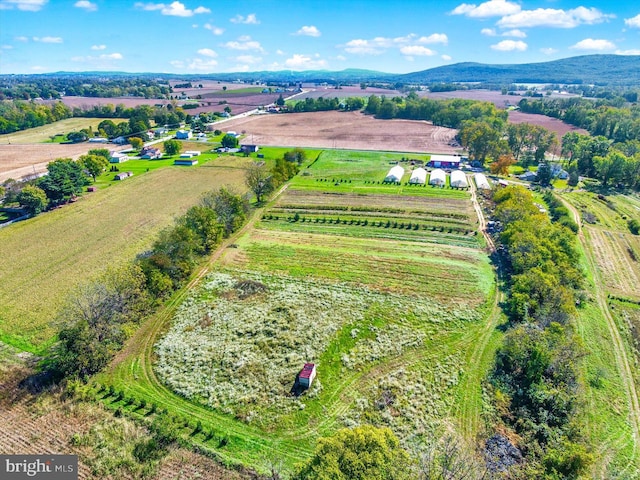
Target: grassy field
[(608, 329), (68, 246), (44, 133), (399, 320)]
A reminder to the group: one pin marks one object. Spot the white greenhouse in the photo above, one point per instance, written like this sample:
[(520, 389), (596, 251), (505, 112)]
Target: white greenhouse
[(482, 182), (419, 175), (395, 174), (459, 179), (438, 177)]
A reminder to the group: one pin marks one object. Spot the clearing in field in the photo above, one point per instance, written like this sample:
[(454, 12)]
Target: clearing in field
[(391, 316)]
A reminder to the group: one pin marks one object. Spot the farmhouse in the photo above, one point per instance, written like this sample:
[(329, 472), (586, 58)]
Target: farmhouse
[(459, 179), (395, 174), (444, 161), (185, 161), (438, 177), (183, 134), (150, 153), (481, 181), (118, 157), (307, 375), (123, 175), (419, 175)]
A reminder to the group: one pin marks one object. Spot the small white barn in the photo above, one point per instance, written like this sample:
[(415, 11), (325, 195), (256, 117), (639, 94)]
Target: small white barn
[(459, 179), (438, 177), (395, 174), (481, 181), (118, 157), (419, 175)]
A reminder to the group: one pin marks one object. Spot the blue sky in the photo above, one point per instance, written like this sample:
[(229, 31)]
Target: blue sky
[(201, 36)]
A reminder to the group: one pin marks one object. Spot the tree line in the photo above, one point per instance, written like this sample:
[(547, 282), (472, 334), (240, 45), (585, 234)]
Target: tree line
[(535, 380)]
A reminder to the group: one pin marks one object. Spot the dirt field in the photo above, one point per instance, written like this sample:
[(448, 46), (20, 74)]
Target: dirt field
[(18, 161), (553, 124), (349, 130)]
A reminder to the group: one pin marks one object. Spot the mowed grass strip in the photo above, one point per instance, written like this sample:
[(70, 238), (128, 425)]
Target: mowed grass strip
[(457, 275), (44, 258)]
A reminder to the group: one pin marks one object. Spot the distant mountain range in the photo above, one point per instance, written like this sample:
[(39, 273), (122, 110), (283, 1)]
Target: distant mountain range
[(586, 69)]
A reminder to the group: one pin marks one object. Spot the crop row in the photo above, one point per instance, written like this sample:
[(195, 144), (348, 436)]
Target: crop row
[(377, 209), (379, 223)]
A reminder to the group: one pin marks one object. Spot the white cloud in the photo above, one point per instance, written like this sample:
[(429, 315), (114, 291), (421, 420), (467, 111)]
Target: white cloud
[(38, 68), (591, 44), (378, 45), (22, 38), (175, 9), (509, 46), (309, 31), (244, 43), (492, 8), (99, 58), (280, 52), (433, 38), (549, 51), (213, 29), (549, 17), (303, 62), (489, 32), (416, 50), (111, 56), (514, 33), (24, 5), (48, 39), (88, 6), (207, 52), (248, 59), (445, 57), (98, 47), (6, 47), (250, 19), (633, 22), (342, 58), (196, 64), (628, 52)]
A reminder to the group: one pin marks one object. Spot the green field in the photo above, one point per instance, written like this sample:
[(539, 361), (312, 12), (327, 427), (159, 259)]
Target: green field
[(47, 256), (45, 133), (400, 321)]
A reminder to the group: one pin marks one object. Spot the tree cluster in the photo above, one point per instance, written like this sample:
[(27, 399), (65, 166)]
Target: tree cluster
[(263, 180), (95, 320), (535, 378), (20, 115), (322, 104)]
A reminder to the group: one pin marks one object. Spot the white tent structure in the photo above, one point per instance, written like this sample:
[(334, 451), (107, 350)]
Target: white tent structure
[(395, 174), (438, 177), (419, 175), (481, 181), (459, 179)]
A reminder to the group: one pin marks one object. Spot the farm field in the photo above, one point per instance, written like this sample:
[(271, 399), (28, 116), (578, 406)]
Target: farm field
[(400, 328), (45, 132), (72, 244), (607, 328), (344, 130)]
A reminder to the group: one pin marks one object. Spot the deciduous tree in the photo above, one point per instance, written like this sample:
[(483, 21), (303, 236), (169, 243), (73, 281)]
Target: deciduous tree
[(33, 199)]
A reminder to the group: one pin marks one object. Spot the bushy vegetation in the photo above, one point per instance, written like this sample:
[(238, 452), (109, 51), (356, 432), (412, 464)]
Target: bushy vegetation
[(535, 378)]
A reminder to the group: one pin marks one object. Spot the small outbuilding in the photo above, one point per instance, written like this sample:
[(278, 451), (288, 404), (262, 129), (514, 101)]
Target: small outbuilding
[(189, 162), (123, 175), (250, 148), (395, 174), (193, 153), (307, 374), (438, 177), (118, 157), (459, 179), (419, 176), (481, 181)]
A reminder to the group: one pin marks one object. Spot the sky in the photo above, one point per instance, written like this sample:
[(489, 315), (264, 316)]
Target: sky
[(202, 36)]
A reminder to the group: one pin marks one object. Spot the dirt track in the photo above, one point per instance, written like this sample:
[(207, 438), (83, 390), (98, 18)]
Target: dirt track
[(349, 130)]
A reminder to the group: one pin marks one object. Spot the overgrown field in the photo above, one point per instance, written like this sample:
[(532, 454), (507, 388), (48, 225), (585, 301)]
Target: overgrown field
[(396, 319), (47, 256), (63, 127)]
